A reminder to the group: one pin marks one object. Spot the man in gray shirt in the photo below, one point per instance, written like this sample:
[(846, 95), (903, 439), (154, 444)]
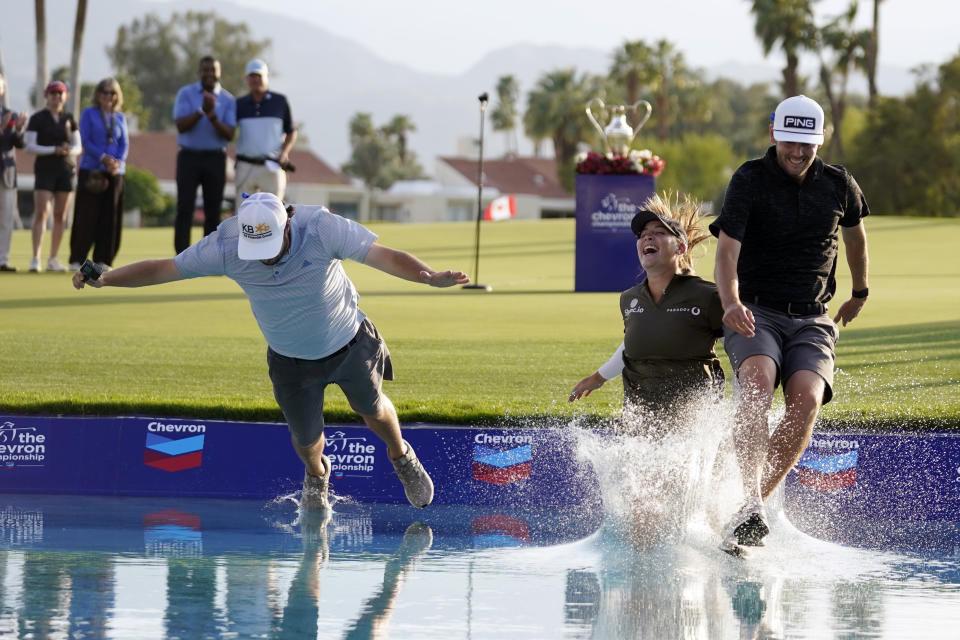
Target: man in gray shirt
[(288, 262)]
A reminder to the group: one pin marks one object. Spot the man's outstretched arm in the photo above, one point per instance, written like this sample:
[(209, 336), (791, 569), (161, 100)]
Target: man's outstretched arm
[(409, 267), (137, 274)]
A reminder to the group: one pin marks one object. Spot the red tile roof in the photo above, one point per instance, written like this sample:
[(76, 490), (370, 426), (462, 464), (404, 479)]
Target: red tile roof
[(156, 152), (534, 176)]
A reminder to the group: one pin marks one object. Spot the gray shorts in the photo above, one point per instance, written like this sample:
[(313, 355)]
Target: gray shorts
[(795, 343), (359, 369)]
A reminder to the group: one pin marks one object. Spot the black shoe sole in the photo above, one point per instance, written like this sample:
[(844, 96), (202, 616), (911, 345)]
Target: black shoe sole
[(751, 532)]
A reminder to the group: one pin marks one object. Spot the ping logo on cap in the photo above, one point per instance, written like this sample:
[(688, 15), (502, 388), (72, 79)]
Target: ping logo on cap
[(256, 232), (800, 122)]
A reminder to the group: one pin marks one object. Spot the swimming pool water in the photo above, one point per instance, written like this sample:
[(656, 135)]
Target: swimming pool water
[(89, 567)]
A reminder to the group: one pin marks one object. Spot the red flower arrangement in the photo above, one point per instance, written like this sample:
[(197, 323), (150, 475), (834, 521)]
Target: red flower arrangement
[(637, 162)]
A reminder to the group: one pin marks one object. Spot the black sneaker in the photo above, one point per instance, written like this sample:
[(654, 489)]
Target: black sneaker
[(746, 528)]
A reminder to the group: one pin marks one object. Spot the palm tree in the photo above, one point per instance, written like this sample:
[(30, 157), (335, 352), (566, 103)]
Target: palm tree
[(789, 23), (555, 111), (850, 48), (633, 68), (78, 28), (503, 117), (670, 74), (872, 52), (397, 129), (40, 20)]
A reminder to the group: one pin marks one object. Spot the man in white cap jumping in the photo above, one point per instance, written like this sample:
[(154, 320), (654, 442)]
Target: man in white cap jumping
[(288, 262), (265, 136), (776, 259)]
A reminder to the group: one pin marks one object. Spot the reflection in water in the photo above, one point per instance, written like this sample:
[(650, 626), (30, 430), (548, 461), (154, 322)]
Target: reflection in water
[(107, 568), (376, 611)]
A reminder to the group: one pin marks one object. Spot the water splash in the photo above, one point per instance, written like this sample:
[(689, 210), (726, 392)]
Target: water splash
[(665, 477)]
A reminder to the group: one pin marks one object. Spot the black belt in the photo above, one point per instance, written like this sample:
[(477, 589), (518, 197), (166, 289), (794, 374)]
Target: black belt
[(344, 348), (252, 160), (789, 308)]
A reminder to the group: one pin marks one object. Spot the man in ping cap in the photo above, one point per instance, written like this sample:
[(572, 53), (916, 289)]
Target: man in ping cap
[(776, 258), (288, 262)]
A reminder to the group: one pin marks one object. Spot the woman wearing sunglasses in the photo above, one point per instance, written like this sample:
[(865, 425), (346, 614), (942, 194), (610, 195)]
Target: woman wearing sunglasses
[(98, 218)]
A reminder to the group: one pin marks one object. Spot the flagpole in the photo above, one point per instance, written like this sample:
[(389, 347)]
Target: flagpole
[(476, 245)]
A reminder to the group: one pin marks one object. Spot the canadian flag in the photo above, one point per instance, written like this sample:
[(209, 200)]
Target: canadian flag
[(502, 208)]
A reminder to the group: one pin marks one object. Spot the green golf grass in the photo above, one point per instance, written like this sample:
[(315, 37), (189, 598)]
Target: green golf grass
[(509, 356)]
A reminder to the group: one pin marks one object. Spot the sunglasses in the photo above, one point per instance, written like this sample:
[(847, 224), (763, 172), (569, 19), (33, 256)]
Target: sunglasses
[(109, 93)]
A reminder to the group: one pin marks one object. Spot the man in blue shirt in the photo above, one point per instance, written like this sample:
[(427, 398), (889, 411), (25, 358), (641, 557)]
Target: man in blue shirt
[(288, 260), (206, 118), (266, 135)]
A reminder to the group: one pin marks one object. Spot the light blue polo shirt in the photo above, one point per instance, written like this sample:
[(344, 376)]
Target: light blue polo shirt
[(305, 304), (203, 137)]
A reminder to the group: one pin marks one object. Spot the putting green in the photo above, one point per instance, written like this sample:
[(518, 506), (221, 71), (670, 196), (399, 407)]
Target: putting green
[(192, 348)]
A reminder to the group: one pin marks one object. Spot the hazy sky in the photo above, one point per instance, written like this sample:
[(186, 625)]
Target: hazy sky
[(412, 32)]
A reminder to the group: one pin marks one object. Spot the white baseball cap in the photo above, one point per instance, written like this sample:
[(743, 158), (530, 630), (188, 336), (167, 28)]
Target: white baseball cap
[(256, 66), (261, 218), (798, 119)]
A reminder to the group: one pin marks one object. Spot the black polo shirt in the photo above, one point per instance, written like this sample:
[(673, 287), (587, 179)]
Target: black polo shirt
[(788, 231), (684, 325), (669, 352), (52, 131)]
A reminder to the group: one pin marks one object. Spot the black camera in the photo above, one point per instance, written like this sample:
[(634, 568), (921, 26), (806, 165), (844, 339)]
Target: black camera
[(90, 270)]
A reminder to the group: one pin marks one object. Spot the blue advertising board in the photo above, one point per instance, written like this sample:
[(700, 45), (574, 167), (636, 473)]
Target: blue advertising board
[(606, 251), (873, 489), (150, 456), (841, 484)]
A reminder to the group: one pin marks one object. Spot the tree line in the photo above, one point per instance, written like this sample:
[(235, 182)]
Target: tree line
[(903, 150)]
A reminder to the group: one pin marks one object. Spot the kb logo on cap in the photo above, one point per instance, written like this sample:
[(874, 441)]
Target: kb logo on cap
[(800, 122), (262, 230)]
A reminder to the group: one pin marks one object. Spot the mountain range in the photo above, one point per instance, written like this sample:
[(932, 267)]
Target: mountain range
[(327, 78)]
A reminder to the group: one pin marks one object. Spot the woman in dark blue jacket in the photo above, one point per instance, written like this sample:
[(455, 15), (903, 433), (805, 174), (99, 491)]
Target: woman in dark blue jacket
[(98, 217)]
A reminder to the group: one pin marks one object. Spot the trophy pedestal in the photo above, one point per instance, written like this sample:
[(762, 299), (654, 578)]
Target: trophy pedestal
[(606, 248)]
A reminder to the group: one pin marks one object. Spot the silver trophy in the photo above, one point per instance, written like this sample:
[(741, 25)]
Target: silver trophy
[(619, 134)]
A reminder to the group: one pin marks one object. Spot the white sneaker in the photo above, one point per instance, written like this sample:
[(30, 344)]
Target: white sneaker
[(417, 484), (74, 266), (104, 267), (54, 265), (34, 265), (746, 528), (314, 496)]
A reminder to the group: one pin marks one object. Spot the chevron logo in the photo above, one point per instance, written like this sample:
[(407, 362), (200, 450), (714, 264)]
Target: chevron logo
[(501, 467), (499, 530), (169, 454), (828, 473)]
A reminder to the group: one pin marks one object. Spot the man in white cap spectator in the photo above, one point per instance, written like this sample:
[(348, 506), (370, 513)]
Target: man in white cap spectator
[(777, 250), (288, 261), (266, 136)]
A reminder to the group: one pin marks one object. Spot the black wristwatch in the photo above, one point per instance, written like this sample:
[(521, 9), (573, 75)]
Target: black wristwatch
[(860, 293)]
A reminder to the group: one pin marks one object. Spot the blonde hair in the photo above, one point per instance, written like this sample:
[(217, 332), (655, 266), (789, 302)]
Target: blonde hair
[(686, 211), (107, 84)]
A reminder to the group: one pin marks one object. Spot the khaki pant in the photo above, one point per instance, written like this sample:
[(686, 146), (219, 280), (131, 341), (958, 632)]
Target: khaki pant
[(8, 211), (251, 178)]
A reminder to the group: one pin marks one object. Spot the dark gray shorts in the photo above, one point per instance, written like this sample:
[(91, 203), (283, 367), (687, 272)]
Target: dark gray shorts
[(795, 343), (359, 370)]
